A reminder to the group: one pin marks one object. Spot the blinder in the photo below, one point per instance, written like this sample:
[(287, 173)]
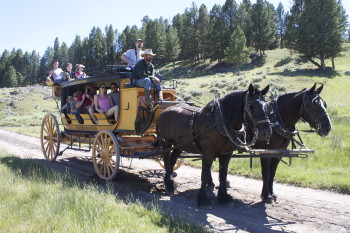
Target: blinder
[(247, 110), (309, 105)]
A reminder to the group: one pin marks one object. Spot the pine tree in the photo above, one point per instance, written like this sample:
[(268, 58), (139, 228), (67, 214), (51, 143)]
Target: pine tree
[(281, 23), (172, 45), (155, 38), (46, 62), (244, 20), (57, 50), (229, 14), (237, 53), (110, 45), (10, 77), (315, 29), (64, 55), (264, 29), (202, 28), (76, 53), (216, 35)]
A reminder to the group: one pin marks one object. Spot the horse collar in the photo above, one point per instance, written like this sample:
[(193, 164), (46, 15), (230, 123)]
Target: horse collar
[(277, 122)]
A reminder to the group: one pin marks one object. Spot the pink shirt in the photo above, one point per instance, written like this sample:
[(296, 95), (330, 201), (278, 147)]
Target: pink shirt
[(104, 104)]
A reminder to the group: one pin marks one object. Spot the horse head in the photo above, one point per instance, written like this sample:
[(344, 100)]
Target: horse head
[(255, 112), (313, 111)]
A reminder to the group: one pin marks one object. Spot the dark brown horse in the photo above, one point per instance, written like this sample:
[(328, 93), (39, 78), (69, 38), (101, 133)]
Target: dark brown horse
[(213, 131), (290, 108)]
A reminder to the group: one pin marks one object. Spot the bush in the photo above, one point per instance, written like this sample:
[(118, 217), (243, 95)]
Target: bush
[(231, 88), (196, 93), (256, 80)]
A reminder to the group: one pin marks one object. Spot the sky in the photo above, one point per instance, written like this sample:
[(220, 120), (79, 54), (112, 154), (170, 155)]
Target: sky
[(34, 25)]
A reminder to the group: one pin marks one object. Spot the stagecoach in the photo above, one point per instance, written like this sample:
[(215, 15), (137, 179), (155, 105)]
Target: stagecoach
[(131, 136)]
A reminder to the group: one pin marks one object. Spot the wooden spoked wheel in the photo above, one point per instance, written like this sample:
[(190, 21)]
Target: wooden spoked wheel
[(178, 163), (50, 137), (106, 155)]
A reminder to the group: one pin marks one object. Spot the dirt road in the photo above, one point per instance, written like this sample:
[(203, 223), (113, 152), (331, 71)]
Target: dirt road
[(298, 210)]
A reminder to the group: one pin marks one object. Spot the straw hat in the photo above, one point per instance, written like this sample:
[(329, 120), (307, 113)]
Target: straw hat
[(148, 51)]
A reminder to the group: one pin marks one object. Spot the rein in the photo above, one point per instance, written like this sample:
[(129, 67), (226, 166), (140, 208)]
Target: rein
[(233, 135)]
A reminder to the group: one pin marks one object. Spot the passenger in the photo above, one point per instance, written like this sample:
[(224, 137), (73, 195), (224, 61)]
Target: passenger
[(56, 73), (103, 104), (73, 107), (79, 73), (85, 99), (114, 94), (143, 76), (132, 56), (66, 108), (68, 74)]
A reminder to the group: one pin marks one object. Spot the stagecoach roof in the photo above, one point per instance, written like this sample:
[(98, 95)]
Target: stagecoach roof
[(106, 76)]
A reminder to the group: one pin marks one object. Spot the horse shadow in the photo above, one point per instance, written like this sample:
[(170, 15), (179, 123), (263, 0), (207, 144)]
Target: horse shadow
[(233, 217)]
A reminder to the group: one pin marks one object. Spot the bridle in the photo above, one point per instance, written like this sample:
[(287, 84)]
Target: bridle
[(233, 135), (247, 111), (308, 107)]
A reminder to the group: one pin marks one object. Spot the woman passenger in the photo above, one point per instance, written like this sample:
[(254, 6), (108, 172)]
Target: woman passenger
[(79, 73), (103, 104)]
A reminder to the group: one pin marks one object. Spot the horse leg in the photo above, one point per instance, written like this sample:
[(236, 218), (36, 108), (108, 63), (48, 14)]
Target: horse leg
[(273, 169), (202, 199), (265, 172), (168, 179), (174, 156), (223, 196)]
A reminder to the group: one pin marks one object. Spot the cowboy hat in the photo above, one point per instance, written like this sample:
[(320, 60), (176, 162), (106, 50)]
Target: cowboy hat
[(148, 51)]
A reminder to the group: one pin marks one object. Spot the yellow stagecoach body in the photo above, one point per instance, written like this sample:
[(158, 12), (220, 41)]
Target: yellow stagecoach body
[(132, 99)]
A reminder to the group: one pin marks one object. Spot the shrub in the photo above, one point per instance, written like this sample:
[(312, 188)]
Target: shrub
[(256, 80), (196, 93)]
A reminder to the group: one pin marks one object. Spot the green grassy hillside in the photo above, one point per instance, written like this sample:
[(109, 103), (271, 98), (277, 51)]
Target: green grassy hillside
[(23, 109)]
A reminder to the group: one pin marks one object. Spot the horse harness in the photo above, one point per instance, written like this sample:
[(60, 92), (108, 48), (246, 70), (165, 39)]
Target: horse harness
[(224, 129), (277, 123)]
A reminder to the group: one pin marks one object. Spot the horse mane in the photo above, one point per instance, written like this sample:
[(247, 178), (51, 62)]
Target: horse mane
[(231, 106), (290, 95)]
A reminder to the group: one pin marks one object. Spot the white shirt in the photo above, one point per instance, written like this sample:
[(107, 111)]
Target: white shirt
[(133, 56)]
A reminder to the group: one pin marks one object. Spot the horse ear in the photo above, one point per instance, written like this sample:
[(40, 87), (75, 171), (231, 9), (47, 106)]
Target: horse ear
[(265, 90), (318, 90), (312, 89), (251, 89)]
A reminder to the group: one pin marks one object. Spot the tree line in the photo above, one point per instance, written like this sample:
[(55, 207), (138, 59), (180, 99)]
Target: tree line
[(232, 32)]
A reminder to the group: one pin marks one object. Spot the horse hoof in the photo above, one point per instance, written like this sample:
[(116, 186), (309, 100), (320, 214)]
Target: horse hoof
[(170, 189), (266, 200), (225, 199)]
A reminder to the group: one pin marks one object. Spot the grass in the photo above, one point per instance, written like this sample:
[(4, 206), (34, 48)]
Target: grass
[(37, 199)]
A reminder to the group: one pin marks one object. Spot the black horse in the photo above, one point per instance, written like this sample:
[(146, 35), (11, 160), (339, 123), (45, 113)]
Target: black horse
[(284, 114), (213, 131)]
